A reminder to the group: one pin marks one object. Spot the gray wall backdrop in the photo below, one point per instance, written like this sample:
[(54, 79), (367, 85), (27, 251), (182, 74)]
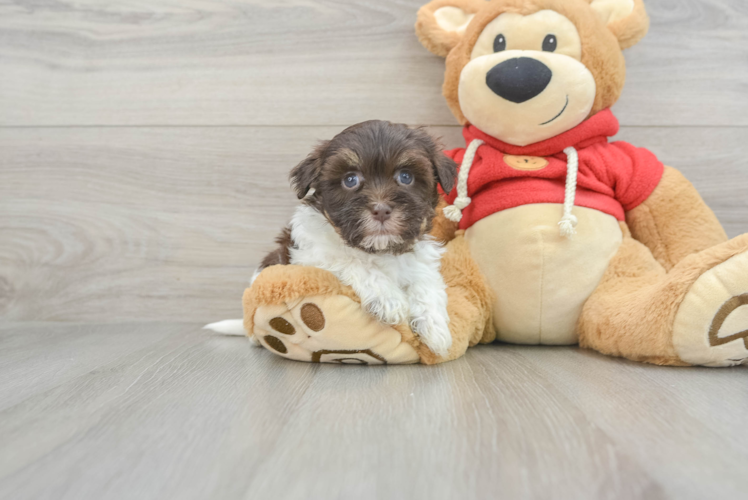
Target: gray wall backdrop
[(144, 146)]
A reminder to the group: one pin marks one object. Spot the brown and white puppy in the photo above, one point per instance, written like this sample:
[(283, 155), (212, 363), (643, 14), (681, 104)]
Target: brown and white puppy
[(368, 199), (376, 183)]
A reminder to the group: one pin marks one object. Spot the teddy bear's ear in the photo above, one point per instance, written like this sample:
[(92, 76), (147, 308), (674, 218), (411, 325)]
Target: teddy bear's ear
[(442, 23), (627, 19)]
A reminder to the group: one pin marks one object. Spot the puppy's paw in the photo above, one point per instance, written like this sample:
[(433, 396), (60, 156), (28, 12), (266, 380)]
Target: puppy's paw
[(389, 310), (433, 331)]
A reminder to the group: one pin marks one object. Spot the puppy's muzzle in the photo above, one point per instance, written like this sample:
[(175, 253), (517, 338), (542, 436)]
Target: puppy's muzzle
[(520, 79)]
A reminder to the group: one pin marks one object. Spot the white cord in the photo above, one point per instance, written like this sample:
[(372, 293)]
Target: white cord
[(569, 221), (454, 211)]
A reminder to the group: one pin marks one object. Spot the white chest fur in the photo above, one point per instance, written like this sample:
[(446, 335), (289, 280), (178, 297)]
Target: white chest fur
[(406, 288)]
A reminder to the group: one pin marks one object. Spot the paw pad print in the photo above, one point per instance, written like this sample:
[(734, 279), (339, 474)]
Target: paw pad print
[(304, 331), (311, 317), (711, 325)]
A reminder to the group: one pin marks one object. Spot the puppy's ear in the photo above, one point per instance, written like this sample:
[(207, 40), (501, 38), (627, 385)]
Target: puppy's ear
[(442, 23), (304, 175), (446, 170), (627, 19)]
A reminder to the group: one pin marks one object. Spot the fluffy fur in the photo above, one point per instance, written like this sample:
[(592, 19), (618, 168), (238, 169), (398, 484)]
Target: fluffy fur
[(396, 288), (674, 222), (469, 303), (372, 234), (228, 327), (376, 153), (631, 313)]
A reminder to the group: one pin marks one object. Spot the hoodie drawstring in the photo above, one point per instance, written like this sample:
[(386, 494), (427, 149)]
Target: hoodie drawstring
[(454, 211), (568, 222)]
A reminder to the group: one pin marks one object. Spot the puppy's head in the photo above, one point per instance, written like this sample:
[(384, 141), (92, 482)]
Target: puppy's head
[(376, 182)]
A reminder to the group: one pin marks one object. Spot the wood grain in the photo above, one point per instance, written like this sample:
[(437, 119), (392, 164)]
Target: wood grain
[(193, 415), (689, 433), (144, 150), (37, 358), (315, 62), (111, 224)]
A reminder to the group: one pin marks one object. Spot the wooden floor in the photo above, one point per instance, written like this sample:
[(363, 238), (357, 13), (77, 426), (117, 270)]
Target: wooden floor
[(155, 411), (144, 153)]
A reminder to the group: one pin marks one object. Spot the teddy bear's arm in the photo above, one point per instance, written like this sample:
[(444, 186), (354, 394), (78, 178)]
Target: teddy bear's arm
[(674, 221), (443, 229)]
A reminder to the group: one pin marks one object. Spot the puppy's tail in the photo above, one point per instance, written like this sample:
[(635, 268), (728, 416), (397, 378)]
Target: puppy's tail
[(228, 327)]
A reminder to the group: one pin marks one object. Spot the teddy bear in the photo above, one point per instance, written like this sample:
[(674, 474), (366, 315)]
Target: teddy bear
[(554, 234)]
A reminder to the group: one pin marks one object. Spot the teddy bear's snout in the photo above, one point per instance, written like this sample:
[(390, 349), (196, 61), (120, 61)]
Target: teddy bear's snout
[(519, 79)]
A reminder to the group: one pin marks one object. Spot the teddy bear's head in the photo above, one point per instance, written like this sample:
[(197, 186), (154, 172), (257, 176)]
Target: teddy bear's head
[(527, 70)]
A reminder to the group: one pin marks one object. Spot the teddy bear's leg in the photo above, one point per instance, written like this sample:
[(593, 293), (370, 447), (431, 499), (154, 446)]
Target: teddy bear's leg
[(675, 222), (690, 315), (306, 314), (470, 302)]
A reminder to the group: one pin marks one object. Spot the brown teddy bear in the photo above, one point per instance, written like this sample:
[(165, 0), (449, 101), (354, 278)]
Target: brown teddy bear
[(555, 234)]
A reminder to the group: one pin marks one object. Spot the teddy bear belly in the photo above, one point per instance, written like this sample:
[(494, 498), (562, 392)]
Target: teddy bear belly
[(541, 279)]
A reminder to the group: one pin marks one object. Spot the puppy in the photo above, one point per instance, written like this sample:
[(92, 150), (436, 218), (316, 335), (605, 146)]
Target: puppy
[(368, 199)]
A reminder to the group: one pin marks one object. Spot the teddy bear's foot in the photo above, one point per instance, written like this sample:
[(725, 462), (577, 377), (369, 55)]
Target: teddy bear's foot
[(305, 314), (303, 331), (711, 325)]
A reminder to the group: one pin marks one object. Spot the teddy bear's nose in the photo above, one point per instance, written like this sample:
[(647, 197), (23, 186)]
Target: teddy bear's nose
[(519, 79)]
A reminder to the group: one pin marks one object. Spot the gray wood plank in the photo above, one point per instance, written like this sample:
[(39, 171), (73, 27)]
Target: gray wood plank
[(482, 427), (315, 62), (111, 224), (36, 358), (145, 415), (685, 426), (195, 415)]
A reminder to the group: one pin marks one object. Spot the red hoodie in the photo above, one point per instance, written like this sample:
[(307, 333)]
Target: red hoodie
[(614, 177)]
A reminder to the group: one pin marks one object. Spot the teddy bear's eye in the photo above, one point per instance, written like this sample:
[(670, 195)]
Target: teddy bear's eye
[(550, 43), (499, 43)]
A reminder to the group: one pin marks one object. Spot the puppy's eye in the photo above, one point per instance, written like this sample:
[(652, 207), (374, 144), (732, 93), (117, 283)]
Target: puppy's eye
[(550, 43), (499, 43), (351, 181), (405, 178)]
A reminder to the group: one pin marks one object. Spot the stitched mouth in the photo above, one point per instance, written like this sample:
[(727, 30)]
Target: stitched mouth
[(558, 115)]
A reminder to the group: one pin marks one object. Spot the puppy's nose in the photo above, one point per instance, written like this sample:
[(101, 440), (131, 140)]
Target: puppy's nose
[(381, 212), (519, 79)]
